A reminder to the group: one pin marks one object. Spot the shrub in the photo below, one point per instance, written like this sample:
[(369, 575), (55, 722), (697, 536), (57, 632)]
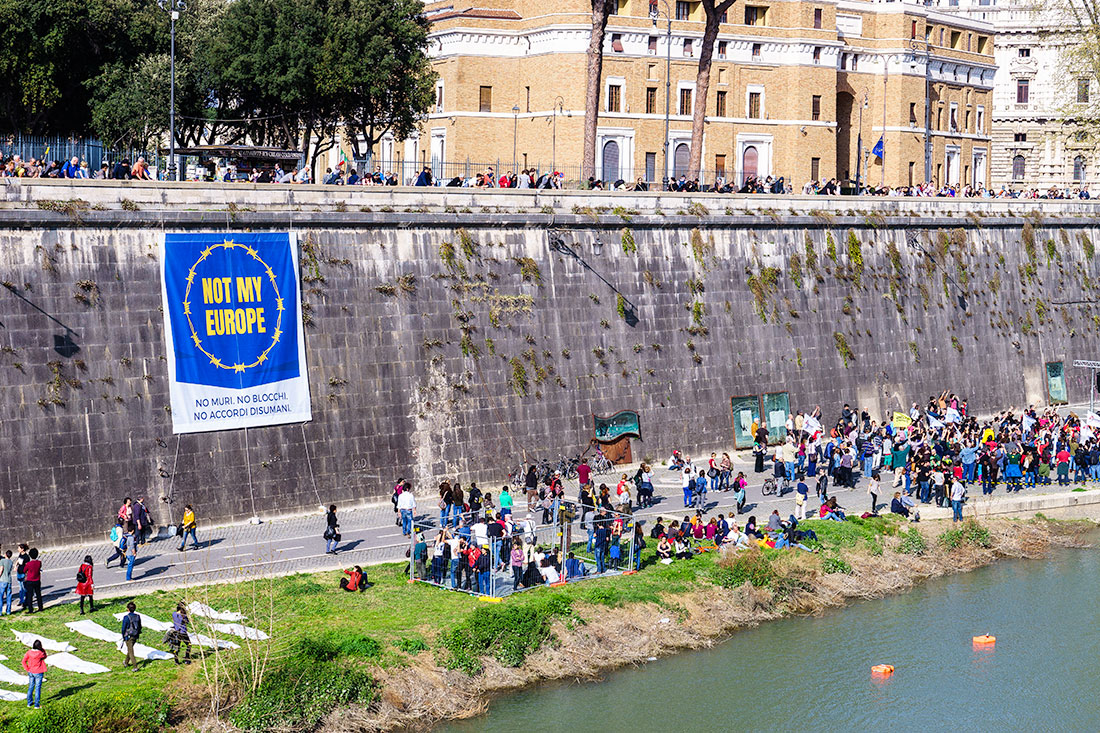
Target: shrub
[(913, 543), (970, 533), (92, 713), (510, 632), (411, 646), (836, 564), (750, 566), (299, 693), (337, 643)]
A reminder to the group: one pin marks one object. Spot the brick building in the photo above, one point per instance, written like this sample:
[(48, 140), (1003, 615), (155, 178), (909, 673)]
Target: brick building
[(794, 85)]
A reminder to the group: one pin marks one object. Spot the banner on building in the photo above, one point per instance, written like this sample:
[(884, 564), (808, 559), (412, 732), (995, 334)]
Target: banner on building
[(233, 331)]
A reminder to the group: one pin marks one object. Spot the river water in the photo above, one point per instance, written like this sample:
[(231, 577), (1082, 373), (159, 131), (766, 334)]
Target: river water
[(813, 674)]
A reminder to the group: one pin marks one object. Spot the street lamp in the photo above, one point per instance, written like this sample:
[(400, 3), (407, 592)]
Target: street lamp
[(885, 77), (559, 103), (859, 144), (654, 14), (515, 133), (173, 8), (915, 45)]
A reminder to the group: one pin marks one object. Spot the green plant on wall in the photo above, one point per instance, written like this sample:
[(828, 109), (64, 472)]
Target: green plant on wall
[(620, 306), (914, 352), (629, 246), (794, 269), (855, 256), (894, 255), (762, 286), (843, 349), (529, 269), (1086, 243), (830, 246), (698, 311), (518, 378)]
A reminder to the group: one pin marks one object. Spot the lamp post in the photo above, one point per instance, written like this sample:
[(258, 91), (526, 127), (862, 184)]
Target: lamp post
[(173, 8), (915, 45), (654, 14), (515, 133), (885, 77), (859, 144), (559, 103)]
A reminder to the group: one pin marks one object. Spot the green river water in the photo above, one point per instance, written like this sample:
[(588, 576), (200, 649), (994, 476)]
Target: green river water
[(813, 674)]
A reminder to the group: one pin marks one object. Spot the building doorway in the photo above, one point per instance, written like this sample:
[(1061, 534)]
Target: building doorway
[(610, 166)]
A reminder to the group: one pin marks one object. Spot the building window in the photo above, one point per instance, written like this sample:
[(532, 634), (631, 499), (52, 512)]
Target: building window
[(815, 168), (720, 105), (651, 73), (1079, 168), (722, 45), (941, 36), (485, 101), (613, 8), (817, 54), (653, 45), (756, 50), (617, 42), (912, 114), (956, 40), (754, 105), (653, 10), (528, 98), (650, 166), (1081, 136), (913, 29), (1018, 168), (966, 127), (1020, 137), (724, 17), (439, 97), (815, 107), (855, 62), (980, 119), (817, 17), (1021, 91), (912, 171), (614, 98), (843, 61), (683, 10), (1082, 91), (651, 100), (969, 40), (755, 15), (687, 47), (1023, 53), (983, 44), (685, 101), (953, 117)]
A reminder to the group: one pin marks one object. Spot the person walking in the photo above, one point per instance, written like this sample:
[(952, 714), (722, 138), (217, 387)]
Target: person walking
[(34, 664), (131, 550), (142, 521), (178, 636), (332, 534), (406, 504), (84, 586), (33, 583), (6, 569), (116, 544), (188, 526), (873, 489), (131, 632), (958, 496), (21, 573)]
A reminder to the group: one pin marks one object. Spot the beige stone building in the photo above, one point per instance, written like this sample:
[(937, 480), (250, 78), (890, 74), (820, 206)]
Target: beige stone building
[(794, 85)]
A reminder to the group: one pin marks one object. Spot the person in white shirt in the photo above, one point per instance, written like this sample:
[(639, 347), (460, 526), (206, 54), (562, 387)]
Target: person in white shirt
[(958, 496), (406, 504)]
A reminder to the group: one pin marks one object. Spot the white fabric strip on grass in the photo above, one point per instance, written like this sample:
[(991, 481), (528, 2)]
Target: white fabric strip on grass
[(209, 643), (148, 622), (201, 609), (13, 696), (54, 646), (10, 677), (145, 652), (67, 661), (245, 632), (93, 630)]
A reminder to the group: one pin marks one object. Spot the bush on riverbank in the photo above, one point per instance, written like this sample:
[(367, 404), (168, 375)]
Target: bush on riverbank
[(115, 713), (970, 533), (508, 632)]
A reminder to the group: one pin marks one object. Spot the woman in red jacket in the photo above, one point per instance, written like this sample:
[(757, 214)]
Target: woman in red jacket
[(34, 663), (84, 588)]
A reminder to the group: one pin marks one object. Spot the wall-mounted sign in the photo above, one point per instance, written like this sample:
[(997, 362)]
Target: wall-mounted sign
[(233, 331), (621, 423)]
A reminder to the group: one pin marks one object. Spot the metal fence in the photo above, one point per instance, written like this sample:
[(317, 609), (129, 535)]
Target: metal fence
[(60, 148), (461, 558)]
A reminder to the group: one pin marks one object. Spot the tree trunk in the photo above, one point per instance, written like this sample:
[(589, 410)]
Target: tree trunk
[(601, 9), (702, 83)]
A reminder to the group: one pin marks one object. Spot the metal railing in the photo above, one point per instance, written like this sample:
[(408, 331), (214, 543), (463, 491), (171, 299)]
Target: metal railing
[(61, 148)]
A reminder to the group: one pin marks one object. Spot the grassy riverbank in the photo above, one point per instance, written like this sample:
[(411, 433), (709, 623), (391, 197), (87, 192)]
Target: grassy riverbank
[(408, 654)]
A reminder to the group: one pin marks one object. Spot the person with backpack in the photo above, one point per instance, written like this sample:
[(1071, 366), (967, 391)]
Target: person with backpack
[(117, 544), (21, 573), (34, 664), (332, 531), (397, 489), (7, 567), (84, 585), (32, 570), (131, 632), (177, 636)]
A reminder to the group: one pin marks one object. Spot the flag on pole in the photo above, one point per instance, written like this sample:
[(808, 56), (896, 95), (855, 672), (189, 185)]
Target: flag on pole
[(879, 150)]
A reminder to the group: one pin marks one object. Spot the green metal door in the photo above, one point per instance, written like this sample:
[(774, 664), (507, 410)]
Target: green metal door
[(777, 407), (746, 410)]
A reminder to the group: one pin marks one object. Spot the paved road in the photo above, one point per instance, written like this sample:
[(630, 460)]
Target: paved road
[(369, 535)]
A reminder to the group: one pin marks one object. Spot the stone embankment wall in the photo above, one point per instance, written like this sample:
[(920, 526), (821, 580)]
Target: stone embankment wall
[(447, 339)]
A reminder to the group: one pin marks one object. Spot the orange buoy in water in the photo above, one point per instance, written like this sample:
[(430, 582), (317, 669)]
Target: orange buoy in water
[(985, 640), (882, 670)]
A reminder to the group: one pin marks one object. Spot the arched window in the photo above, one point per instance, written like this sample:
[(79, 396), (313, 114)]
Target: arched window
[(1079, 168), (681, 158), (1018, 168), (610, 161), (750, 159)]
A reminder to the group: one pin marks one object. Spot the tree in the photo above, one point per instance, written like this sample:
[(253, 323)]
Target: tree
[(714, 14), (375, 63), (601, 10)]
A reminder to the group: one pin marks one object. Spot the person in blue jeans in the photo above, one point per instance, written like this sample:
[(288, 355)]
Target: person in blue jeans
[(34, 664), (6, 566), (700, 491), (600, 539), (131, 550)]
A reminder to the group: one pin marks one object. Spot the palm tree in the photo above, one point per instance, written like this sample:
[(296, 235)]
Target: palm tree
[(714, 13), (601, 10)]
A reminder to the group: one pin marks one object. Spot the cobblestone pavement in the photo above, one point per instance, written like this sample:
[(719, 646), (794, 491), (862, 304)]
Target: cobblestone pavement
[(369, 535)]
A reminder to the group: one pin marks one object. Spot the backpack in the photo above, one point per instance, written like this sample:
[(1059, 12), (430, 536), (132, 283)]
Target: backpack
[(81, 577)]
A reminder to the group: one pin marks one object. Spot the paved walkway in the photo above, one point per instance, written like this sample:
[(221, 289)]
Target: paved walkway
[(369, 535)]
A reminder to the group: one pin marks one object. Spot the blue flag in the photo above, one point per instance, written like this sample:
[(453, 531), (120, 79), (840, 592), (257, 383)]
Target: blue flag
[(879, 149)]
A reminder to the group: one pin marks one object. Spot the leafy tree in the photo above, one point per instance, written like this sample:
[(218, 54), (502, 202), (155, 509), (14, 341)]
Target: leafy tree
[(374, 64)]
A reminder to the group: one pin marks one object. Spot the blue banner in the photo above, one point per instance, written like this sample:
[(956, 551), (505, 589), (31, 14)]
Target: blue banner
[(233, 330)]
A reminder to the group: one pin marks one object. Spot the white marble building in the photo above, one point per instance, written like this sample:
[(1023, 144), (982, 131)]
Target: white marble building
[(1037, 142)]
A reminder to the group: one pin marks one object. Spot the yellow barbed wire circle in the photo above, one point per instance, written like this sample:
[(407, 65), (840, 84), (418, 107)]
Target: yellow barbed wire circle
[(278, 301)]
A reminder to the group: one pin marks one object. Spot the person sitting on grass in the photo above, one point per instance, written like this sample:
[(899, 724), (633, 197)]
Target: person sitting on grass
[(831, 511), (664, 549), (683, 549), (789, 538), (751, 529), (736, 538), (574, 568), (356, 580), (905, 506)]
